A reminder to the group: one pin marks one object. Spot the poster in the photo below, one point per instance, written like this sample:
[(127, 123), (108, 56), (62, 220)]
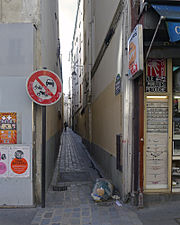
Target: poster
[(157, 144), (14, 161), (19, 161), (8, 128), (156, 79)]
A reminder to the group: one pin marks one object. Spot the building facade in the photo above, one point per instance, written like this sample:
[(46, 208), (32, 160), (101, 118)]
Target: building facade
[(30, 42), (129, 117), (77, 66)]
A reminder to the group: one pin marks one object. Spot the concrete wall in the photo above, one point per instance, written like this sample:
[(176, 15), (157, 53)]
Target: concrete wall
[(19, 11)]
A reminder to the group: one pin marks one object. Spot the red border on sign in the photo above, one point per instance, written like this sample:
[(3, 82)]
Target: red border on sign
[(29, 86)]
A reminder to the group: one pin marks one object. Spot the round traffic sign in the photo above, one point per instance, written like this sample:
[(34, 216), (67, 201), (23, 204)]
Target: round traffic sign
[(44, 87)]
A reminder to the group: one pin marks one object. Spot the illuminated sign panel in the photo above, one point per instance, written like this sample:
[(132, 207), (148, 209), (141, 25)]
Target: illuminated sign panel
[(135, 52)]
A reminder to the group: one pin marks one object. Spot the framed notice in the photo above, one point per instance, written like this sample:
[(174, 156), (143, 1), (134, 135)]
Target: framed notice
[(157, 144), (8, 128), (156, 77)]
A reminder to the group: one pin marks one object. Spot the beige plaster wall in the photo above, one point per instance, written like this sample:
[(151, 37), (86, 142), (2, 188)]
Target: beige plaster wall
[(107, 119), (53, 122)]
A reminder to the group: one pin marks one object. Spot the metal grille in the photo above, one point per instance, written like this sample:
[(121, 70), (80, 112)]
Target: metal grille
[(57, 188)]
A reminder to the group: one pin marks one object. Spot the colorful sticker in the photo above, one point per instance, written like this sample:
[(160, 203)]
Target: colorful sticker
[(3, 168), (8, 128), (19, 166), (19, 161), (4, 161)]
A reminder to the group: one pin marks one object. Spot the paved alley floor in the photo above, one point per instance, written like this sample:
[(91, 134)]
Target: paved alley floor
[(69, 200)]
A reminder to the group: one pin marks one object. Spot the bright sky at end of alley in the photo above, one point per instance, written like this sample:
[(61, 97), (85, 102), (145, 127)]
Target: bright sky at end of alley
[(67, 14)]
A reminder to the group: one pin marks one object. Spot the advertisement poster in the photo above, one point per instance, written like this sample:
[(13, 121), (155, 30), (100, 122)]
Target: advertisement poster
[(4, 161), (19, 161), (157, 144), (156, 79), (8, 128), (14, 161)]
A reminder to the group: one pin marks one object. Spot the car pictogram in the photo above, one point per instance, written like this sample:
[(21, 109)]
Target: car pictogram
[(49, 82)]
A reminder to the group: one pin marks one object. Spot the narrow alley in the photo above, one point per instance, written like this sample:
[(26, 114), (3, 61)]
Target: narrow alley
[(69, 200)]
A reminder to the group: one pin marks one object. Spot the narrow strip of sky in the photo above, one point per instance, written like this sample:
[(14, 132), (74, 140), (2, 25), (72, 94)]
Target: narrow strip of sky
[(67, 13)]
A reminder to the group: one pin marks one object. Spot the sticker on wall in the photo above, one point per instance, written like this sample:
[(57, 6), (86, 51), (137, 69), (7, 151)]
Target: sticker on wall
[(8, 128), (3, 162), (19, 161)]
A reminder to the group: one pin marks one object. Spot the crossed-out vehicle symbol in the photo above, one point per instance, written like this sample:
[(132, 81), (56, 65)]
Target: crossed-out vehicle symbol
[(49, 82)]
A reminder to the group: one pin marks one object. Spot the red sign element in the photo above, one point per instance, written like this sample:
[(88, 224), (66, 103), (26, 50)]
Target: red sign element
[(156, 67), (44, 87), (19, 166), (132, 58)]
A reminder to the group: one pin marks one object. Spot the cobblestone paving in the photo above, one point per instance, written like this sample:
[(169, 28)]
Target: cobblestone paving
[(75, 205)]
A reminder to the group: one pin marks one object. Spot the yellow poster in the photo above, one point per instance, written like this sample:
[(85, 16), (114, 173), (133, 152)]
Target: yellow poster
[(8, 128)]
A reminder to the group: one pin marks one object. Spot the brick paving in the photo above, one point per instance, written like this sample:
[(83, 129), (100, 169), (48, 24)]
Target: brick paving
[(75, 205)]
